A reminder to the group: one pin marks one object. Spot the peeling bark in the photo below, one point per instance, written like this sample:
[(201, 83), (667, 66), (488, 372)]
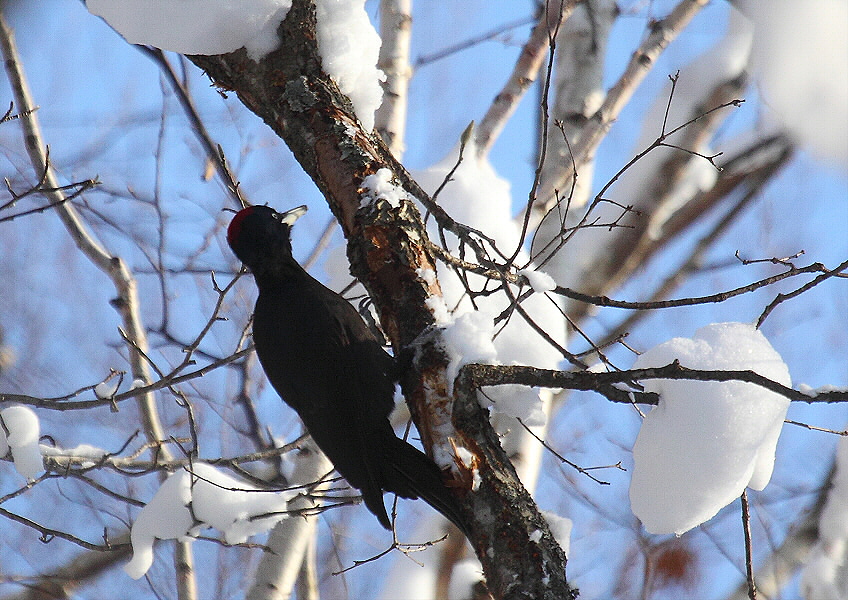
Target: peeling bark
[(386, 245)]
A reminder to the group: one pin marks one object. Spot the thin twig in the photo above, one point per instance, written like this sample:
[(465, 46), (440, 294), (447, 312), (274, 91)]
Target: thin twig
[(749, 561), (561, 458), (811, 284), (48, 534), (660, 35), (214, 152)]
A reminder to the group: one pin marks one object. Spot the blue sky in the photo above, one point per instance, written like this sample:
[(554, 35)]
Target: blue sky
[(105, 111)]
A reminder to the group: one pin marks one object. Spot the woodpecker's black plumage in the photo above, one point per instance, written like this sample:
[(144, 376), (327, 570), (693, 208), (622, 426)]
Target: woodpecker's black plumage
[(326, 364)]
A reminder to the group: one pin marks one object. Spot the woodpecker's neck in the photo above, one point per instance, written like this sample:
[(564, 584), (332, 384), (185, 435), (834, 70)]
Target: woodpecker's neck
[(278, 271)]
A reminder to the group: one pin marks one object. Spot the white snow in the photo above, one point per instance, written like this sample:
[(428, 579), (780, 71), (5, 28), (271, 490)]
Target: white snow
[(706, 441), (379, 186), (106, 389), (561, 528), (427, 275), (468, 339), (436, 305), (477, 196), (347, 42), (812, 102), (811, 391), (825, 576), (217, 500), (464, 577), (24, 430), (538, 280), (349, 47), (197, 26), (81, 451), (464, 456)]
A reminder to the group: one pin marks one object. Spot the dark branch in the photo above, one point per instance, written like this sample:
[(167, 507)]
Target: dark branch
[(476, 376)]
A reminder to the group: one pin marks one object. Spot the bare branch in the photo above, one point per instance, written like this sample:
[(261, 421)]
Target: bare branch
[(214, 152), (661, 34), (123, 280), (396, 33), (48, 534), (809, 285), (749, 561), (477, 375), (523, 74), (167, 381)]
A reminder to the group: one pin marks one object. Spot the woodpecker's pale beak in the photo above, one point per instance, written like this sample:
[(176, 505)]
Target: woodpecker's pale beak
[(290, 216)]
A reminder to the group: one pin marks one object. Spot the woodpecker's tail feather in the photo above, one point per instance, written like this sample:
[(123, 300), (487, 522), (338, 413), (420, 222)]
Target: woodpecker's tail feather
[(410, 473), (374, 502)]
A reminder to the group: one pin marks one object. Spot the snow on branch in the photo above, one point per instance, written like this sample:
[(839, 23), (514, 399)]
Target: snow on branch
[(473, 376)]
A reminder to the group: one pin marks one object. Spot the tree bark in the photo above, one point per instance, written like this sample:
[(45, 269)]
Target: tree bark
[(386, 246)]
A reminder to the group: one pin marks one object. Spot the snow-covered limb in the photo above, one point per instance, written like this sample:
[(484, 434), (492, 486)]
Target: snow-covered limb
[(379, 186), (387, 250), (196, 26), (86, 457), (479, 375), (725, 432), (474, 194), (589, 423), (500, 491), (538, 280), (347, 42), (199, 497)]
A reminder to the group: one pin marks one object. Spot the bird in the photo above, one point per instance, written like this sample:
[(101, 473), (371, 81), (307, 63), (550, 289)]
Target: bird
[(325, 363)]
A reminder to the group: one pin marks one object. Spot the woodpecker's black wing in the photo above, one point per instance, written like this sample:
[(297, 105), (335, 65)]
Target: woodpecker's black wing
[(322, 360), (325, 363)]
